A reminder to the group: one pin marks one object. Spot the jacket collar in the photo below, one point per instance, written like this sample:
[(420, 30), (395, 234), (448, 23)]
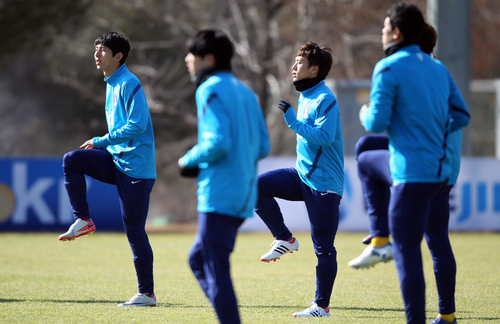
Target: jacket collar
[(392, 48), (205, 74), (305, 84), (116, 75)]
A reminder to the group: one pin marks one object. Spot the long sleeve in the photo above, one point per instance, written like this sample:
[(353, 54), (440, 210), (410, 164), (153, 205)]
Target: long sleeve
[(214, 134), (458, 109), (324, 129), (134, 117)]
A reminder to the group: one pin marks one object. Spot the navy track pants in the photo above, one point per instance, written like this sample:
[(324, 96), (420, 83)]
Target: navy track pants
[(374, 173), (323, 212), (209, 261), (133, 194)]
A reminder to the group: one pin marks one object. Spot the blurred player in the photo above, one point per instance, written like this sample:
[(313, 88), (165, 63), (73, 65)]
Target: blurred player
[(318, 176), (416, 100), (375, 176), (232, 137), (124, 157)]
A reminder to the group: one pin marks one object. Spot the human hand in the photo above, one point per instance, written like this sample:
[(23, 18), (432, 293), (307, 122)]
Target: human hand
[(284, 105), (363, 109), (187, 172), (88, 145)]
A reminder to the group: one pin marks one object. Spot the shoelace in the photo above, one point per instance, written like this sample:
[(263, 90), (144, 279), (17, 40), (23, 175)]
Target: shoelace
[(133, 299), (314, 309)]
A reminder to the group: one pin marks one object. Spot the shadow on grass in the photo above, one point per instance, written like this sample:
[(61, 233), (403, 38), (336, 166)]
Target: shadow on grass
[(3, 300), (369, 309), (115, 302), (490, 318), (331, 308), (172, 305), (495, 319), (271, 306)]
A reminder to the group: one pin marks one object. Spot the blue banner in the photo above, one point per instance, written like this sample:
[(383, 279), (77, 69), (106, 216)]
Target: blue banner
[(474, 200), (33, 198)]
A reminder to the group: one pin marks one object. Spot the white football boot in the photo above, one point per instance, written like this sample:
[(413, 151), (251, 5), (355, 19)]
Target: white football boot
[(78, 228), (313, 311), (141, 300), (371, 256), (279, 248)]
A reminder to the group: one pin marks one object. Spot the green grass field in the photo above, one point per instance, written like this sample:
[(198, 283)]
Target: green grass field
[(43, 280)]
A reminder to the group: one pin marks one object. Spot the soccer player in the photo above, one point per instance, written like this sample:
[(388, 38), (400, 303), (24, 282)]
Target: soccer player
[(411, 98), (318, 175), (232, 138), (124, 157), (373, 170)]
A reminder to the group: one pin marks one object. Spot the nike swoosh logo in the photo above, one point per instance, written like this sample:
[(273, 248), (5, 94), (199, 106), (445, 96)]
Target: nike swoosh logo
[(324, 193), (134, 182)]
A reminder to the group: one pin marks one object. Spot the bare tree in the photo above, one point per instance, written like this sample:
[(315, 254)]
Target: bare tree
[(64, 98)]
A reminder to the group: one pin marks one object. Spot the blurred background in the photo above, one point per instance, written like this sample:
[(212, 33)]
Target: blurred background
[(52, 96)]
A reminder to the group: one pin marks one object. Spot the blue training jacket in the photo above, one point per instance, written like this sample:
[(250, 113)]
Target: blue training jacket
[(414, 97), (320, 149), (454, 146), (232, 137), (130, 138)]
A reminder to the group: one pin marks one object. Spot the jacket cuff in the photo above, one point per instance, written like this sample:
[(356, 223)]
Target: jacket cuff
[(290, 116)]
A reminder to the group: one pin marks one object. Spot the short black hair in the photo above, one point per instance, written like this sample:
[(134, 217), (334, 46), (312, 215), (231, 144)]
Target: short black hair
[(215, 42), (408, 18), (116, 43), (428, 38), (316, 55)]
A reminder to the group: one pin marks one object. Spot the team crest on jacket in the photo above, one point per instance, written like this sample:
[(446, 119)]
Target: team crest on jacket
[(115, 100)]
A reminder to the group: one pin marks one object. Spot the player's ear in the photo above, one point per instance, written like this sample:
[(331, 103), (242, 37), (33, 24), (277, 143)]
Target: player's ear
[(397, 35), (314, 70), (118, 56), (209, 59)]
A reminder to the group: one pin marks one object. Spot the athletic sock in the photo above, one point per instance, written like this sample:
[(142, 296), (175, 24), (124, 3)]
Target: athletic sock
[(85, 218), (449, 317), (379, 241)]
